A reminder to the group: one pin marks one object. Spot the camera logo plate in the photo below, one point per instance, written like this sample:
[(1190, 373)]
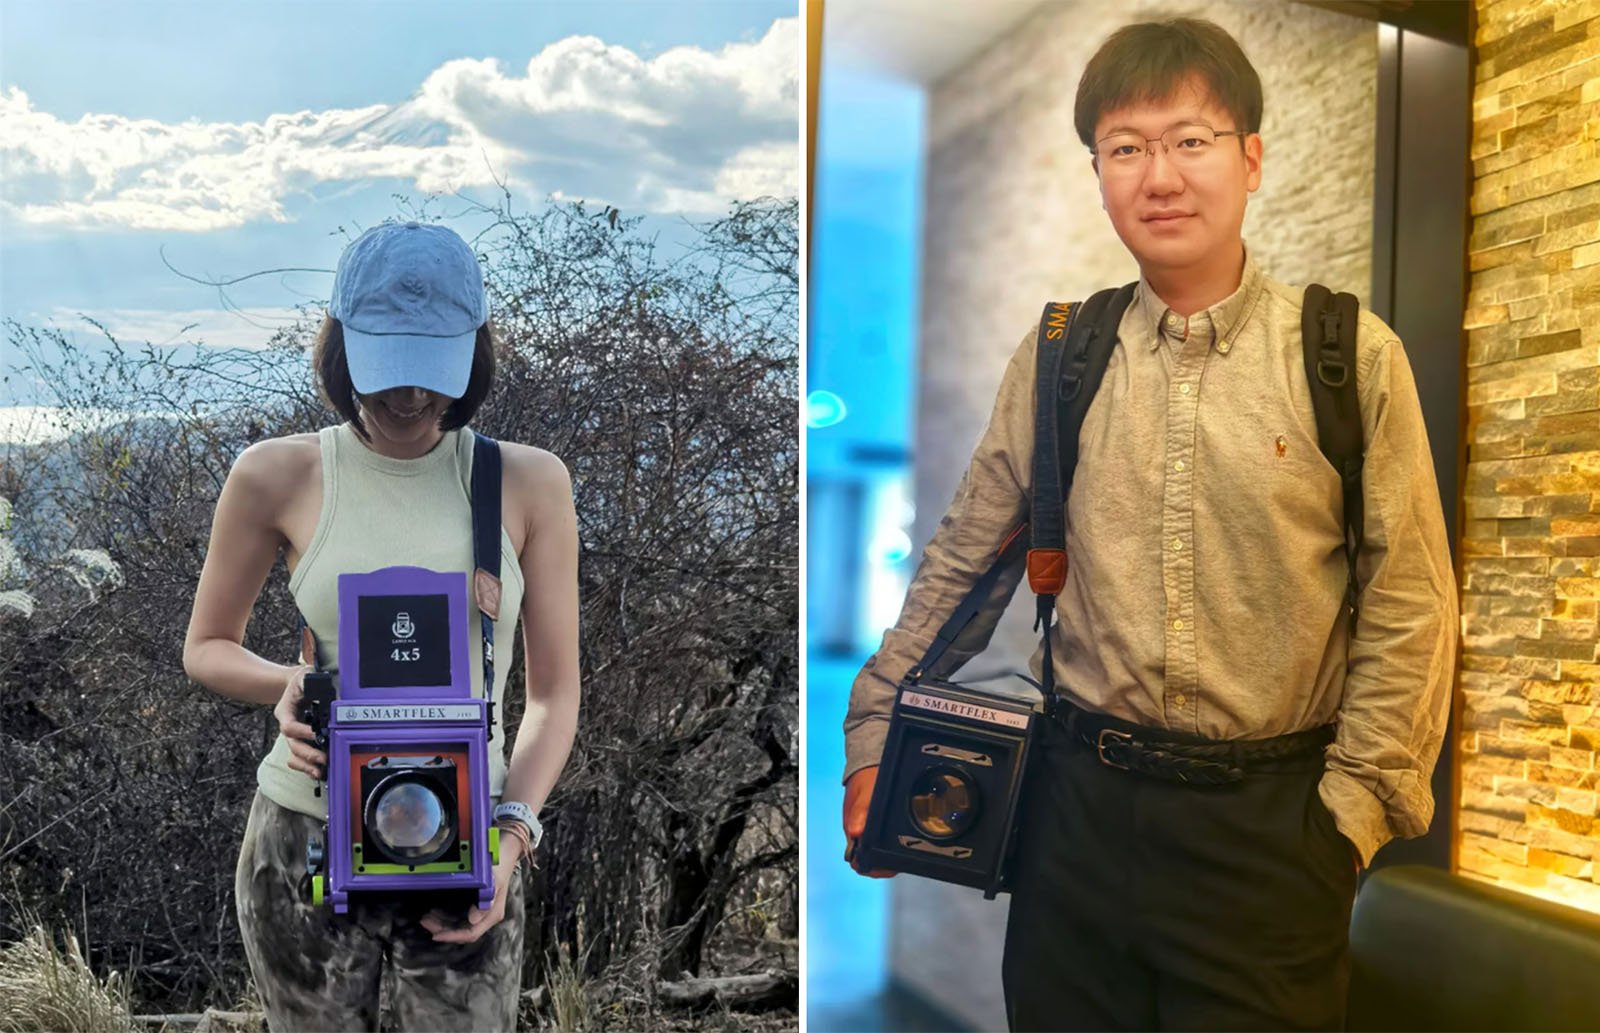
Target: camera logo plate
[(972, 712), (372, 713)]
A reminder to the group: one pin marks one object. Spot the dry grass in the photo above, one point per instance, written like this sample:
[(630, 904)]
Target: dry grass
[(569, 1003), (45, 988), (571, 1008)]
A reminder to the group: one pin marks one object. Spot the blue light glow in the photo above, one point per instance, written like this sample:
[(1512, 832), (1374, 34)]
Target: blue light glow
[(891, 546), (824, 409)]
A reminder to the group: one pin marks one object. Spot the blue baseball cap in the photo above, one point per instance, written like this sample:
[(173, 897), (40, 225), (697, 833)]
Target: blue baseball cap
[(410, 298)]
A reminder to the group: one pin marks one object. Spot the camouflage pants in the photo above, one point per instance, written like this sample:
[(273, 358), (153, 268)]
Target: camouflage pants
[(317, 970)]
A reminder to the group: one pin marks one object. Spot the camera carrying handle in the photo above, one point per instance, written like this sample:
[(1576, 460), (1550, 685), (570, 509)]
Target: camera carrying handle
[(485, 556)]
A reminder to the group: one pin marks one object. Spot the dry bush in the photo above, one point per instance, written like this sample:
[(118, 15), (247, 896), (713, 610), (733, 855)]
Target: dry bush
[(670, 390)]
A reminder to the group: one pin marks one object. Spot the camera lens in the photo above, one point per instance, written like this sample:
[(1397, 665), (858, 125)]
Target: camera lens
[(944, 803), (409, 820)]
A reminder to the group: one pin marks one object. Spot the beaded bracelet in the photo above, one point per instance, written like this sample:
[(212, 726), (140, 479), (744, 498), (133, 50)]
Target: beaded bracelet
[(520, 831)]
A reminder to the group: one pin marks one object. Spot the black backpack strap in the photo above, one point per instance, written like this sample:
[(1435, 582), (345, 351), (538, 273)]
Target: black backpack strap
[(1328, 325), (486, 547), (1083, 367), (1074, 348)]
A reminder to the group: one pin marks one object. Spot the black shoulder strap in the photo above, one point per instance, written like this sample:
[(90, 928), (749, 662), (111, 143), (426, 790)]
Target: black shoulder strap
[(1061, 350), (1074, 348), (1328, 325), (1088, 352), (486, 546)]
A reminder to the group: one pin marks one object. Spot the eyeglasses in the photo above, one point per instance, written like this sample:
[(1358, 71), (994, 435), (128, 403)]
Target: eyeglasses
[(1189, 146)]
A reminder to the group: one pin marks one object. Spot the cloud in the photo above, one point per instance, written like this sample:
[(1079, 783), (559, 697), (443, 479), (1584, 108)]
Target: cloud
[(685, 131)]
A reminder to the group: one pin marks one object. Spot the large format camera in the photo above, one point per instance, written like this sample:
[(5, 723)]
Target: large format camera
[(945, 802), (949, 784), (407, 745)]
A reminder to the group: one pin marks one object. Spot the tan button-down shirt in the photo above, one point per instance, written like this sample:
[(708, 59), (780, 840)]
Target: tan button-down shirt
[(1206, 571)]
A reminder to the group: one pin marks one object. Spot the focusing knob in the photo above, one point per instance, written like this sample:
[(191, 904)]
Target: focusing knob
[(315, 855)]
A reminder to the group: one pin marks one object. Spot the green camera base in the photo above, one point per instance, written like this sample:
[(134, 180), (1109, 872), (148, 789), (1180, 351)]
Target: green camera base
[(462, 863)]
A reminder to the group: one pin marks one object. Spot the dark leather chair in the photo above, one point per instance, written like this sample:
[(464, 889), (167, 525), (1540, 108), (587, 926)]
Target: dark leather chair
[(1436, 951)]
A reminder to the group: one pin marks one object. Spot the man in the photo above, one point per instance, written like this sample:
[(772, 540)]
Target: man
[(1204, 602)]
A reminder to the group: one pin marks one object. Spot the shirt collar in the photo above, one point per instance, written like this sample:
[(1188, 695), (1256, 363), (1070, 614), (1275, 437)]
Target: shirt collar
[(1221, 322)]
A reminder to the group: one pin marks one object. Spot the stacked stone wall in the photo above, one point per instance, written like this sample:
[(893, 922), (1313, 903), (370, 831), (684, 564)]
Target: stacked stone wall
[(1530, 545)]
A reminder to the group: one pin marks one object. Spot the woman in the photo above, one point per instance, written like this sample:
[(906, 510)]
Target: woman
[(406, 357)]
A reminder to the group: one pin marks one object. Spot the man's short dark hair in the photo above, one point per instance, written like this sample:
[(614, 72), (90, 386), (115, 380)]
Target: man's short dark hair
[(333, 377), (1150, 61)]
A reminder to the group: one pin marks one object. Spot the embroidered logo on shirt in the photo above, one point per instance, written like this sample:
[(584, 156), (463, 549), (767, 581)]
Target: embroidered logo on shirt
[(1281, 446)]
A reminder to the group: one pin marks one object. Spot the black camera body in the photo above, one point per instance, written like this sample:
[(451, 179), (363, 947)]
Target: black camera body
[(946, 799)]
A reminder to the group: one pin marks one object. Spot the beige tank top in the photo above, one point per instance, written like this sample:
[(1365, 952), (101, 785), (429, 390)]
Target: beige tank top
[(383, 512)]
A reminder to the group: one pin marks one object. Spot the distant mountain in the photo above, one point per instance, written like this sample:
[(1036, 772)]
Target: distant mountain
[(38, 521), (40, 525), (405, 124)]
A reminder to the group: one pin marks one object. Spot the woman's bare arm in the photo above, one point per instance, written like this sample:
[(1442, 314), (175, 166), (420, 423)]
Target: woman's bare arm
[(549, 565), (245, 539)]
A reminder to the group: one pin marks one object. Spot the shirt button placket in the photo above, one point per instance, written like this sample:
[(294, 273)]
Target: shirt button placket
[(1178, 527)]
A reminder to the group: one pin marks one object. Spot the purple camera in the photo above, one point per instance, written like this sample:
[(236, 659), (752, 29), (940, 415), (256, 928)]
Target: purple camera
[(407, 745)]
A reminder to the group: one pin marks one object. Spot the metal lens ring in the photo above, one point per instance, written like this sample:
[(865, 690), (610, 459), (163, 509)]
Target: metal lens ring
[(944, 802), (408, 818)]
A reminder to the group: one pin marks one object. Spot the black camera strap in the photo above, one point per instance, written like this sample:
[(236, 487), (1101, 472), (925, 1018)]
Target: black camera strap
[(1074, 344), (1074, 347), (486, 549)]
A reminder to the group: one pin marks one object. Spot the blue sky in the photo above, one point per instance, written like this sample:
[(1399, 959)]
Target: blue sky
[(240, 137)]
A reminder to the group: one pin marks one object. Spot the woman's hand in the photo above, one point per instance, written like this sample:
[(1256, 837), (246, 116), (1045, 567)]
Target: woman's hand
[(303, 756), (479, 920)]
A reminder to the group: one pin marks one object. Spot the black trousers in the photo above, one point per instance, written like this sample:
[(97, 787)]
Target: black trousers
[(1145, 904)]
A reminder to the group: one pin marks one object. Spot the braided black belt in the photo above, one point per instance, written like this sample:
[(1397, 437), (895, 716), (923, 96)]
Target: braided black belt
[(1180, 758)]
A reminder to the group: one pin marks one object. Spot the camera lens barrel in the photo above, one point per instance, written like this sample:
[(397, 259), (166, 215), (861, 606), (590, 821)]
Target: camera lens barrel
[(945, 803), (410, 820)]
